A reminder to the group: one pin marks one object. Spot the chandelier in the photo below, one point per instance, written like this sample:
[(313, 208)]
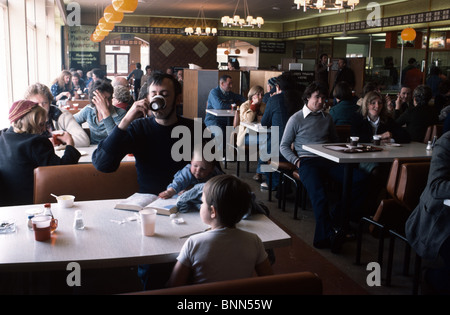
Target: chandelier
[(326, 4), (198, 30), (236, 20)]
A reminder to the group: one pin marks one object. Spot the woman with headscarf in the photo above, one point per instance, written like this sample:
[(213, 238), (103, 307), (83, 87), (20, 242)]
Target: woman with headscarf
[(23, 148)]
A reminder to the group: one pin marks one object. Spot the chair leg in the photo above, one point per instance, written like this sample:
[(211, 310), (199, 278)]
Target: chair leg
[(297, 197), (390, 260), (270, 186), (417, 269), (407, 259), (359, 240), (280, 189)]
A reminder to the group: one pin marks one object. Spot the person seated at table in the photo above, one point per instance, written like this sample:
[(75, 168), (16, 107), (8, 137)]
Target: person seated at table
[(280, 107), (148, 136), (427, 228), (374, 119), (271, 89), (222, 97), (57, 119), (121, 97), (78, 85), (312, 125), (100, 114), (442, 99), (401, 103), (23, 148), (225, 252), (251, 111), (368, 87), (345, 106), (420, 116), (62, 86), (198, 171)]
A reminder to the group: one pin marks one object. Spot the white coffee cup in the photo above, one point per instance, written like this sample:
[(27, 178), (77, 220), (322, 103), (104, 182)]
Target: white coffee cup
[(148, 220), (354, 141)]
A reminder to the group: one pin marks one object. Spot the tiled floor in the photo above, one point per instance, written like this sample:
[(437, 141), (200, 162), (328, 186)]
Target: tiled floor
[(345, 261)]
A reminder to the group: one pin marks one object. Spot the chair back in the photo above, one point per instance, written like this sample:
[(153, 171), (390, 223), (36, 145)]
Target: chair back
[(85, 182), (394, 175), (296, 283), (433, 131), (412, 181), (237, 118)]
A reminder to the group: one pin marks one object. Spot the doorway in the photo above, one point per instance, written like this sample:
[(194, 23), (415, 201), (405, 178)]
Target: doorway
[(246, 53)]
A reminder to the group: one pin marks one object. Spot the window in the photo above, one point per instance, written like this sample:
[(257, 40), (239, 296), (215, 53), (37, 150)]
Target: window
[(116, 58), (4, 86)]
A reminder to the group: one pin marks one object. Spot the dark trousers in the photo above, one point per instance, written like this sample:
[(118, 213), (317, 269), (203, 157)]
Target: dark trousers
[(314, 173), (439, 278)]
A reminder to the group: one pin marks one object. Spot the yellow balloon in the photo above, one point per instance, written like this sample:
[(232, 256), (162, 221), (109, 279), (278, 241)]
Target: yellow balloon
[(408, 34), (125, 6), (111, 15)]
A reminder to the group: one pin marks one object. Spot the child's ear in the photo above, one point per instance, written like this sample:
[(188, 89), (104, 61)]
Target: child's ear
[(213, 212)]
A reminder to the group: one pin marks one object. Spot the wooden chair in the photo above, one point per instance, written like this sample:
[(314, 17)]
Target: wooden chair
[(85, 182), (390, 210), (233, 145), (296, 283), (433, 131), (412, 182)]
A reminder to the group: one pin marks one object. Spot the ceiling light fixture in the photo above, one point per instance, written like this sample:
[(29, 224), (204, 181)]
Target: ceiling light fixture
[(236, 20), (198, 30), (326, 4)]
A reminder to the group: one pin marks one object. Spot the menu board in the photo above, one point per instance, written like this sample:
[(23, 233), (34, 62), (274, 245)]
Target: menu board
[(272, 47), (83, 53)]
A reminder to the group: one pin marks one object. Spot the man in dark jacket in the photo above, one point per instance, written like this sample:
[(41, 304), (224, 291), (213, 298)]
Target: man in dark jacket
[(428, 227), (344, 74)]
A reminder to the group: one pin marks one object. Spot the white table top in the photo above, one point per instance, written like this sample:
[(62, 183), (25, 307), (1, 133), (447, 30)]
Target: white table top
[(221, 112), (106, 243), (255, 126), (389, 153), (86, 154)]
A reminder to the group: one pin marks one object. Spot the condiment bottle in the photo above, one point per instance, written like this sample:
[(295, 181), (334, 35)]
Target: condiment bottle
[(48, 211), (30, 223)]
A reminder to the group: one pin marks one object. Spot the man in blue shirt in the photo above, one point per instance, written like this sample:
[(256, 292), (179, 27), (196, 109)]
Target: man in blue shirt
[(222, 97)]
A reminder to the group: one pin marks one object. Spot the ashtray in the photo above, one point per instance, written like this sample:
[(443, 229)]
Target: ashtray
[(7, 226)]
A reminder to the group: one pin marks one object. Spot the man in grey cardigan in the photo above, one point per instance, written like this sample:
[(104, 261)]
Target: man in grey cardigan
[(312, 125)]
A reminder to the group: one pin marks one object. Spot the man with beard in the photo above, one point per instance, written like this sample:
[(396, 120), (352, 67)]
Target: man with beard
[(147, 135)]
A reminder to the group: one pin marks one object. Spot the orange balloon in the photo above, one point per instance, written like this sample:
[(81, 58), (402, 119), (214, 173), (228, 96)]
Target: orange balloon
[(96, 38), (408, 34), (111, 15), (100, 32), (105, 26), (125, 6)]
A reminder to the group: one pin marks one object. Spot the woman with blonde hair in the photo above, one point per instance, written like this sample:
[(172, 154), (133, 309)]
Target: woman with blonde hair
[(57, 118), (374, 119), (23, 148), (251, 111), (62, 86)]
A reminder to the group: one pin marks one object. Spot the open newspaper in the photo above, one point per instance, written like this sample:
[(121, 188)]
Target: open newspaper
[(140, 201)]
